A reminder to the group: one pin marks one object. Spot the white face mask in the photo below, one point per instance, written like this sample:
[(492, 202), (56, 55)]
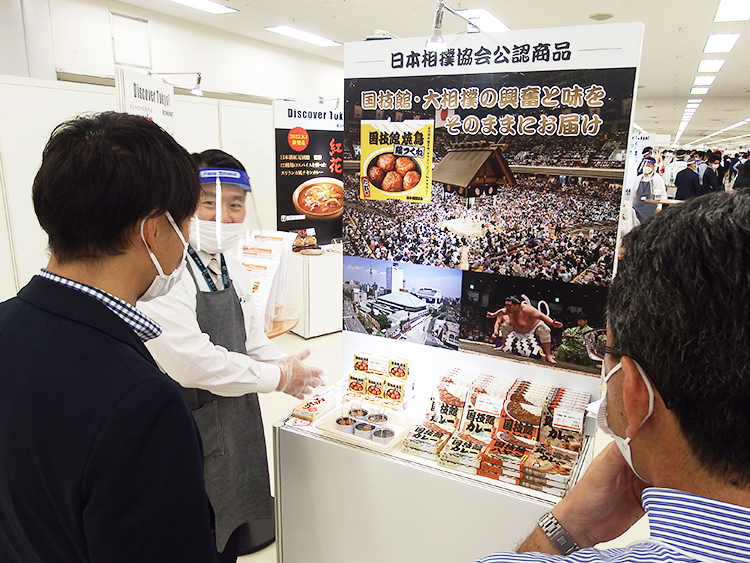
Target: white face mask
[(214, 237), (623, 444), (162, 282), (715, 166), (648, 170)]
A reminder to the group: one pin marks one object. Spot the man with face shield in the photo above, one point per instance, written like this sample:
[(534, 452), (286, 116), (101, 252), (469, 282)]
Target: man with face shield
[(675, 402), (650, 190), (100, 458), (214, 346)]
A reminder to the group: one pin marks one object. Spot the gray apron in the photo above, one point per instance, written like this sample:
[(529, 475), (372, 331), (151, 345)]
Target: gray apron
[(643, 209), (234, 446)]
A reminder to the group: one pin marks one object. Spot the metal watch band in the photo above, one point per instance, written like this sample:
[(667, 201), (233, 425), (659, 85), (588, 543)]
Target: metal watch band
[(557, 534)]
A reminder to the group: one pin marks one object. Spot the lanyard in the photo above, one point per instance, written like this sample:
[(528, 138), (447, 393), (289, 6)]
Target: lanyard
[(204, 270)]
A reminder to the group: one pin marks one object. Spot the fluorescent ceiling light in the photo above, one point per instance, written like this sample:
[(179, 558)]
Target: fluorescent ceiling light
[(303, 36), (703, 80), (484, 20), (733, 11), (710, 65), (695, 101), (698, 91), (692, 106), (721, 42), (206, 6)]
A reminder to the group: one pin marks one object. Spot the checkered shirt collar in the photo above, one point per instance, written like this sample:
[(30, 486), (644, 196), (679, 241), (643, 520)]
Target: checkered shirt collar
[(144, 327)]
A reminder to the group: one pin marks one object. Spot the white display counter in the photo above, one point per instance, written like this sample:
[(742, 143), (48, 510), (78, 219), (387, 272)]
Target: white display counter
[(338, 501), (314, 291)]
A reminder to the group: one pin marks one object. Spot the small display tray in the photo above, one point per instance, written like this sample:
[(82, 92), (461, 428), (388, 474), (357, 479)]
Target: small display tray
[(398, 422)]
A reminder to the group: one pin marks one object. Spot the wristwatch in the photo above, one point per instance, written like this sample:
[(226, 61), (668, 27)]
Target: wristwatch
[(557, 534)]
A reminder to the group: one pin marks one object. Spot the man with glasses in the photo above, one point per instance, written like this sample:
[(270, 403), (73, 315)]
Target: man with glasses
[(676, 402)]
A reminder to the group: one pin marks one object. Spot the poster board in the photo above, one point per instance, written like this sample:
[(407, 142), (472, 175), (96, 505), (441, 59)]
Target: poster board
[(309, 168), (138, 94), (534, 124)]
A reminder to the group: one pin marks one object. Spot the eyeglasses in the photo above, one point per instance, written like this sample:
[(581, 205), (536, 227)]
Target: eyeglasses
[(596, 344)]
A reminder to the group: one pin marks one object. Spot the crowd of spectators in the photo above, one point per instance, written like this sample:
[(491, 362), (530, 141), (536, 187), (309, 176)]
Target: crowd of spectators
[(536, 229)]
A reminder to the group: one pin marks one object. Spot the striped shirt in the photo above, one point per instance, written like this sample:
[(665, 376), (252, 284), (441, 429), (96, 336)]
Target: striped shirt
[(685, 528), (144, 327)]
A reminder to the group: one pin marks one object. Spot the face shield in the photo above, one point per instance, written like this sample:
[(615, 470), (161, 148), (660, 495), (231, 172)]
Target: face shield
[(218, 223)]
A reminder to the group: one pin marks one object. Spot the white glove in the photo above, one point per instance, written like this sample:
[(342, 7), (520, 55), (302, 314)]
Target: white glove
[(297, 379)]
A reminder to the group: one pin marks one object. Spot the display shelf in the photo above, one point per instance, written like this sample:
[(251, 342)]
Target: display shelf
[(329, 486)]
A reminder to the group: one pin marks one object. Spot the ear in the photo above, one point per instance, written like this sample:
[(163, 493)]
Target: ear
[(635, 397), (151, 231)]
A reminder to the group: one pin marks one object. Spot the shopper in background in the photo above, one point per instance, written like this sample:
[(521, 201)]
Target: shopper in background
[(688, 185), (711, 182), (702, 165), (743, 178), (731, 170), (650, 189), (213, 344), (676, 400), (99, 456)]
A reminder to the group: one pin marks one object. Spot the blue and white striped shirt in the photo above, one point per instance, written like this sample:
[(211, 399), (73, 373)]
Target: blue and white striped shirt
[(143, 326), (685, 528)]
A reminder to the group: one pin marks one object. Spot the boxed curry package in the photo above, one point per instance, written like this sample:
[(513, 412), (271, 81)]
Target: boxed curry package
[(381, 379), (509, 430)]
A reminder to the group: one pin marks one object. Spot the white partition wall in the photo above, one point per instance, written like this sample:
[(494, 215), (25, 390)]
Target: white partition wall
[(33, 107)]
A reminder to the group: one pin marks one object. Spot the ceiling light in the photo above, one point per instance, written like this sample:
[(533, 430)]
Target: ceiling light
[(698, 91), (721, 42), (710, 65), (436, 43), (733, 11), (206, 6), (601, 16), (691, 106), (695, 101), (482, 18), (300, 35), (196, 91), (703, 80)]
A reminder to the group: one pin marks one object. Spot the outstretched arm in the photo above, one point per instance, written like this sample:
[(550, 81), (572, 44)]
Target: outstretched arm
[(535, 313)]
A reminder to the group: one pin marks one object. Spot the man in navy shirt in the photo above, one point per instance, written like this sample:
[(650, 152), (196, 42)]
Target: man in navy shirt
[(687, 182), (677, 390), (100, 457)]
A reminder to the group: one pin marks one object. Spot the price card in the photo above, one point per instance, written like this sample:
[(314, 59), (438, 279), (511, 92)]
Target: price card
[(568, 419), (488, 404)]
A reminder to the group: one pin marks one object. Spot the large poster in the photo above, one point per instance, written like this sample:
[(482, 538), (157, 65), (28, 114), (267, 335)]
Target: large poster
[(309, 168), (529, 151)]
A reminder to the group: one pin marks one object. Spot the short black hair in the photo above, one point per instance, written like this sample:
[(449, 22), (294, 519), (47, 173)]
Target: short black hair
[(678, 305), (715, 157), (100, 175), (215, 158), (582, 316), (513, 299)]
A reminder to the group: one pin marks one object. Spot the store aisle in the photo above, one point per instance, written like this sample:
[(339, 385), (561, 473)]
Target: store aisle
[(325, 354)]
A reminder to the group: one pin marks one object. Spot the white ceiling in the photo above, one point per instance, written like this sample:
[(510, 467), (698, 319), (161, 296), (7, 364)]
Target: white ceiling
[(676, 33)]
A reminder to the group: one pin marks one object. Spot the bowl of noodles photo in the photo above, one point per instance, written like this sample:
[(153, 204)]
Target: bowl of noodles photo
[(320, 198)]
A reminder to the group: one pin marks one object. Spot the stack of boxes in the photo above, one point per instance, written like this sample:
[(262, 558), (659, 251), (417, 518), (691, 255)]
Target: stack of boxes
[(509, 430), (381, 380)]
